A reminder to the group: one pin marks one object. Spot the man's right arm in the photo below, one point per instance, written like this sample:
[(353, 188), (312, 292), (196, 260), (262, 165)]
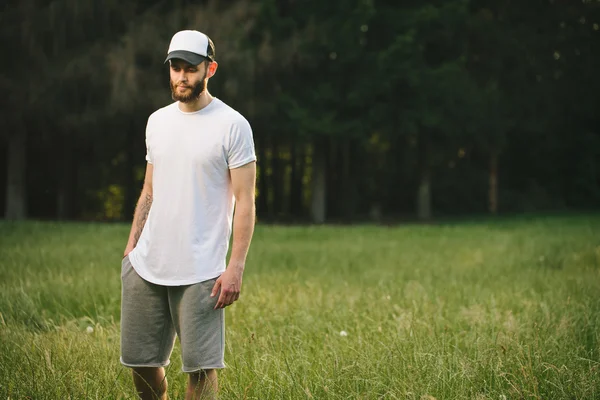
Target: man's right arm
[(141, 211)]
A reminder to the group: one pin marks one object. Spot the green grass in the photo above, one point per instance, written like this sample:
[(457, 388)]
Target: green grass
[(476, 310)]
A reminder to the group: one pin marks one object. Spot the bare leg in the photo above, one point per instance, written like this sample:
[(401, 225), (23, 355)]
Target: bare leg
[(202, 385), (150, 383)]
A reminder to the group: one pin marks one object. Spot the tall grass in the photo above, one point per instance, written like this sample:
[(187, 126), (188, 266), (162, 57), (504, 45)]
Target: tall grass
[(488, 309)]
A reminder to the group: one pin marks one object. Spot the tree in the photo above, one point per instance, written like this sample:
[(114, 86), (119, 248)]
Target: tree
[(426, 86)]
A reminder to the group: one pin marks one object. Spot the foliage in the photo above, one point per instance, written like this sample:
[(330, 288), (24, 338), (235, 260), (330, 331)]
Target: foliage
[(389, 92)]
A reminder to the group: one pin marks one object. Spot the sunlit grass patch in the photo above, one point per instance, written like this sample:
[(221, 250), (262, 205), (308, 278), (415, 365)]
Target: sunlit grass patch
[(482, 310)]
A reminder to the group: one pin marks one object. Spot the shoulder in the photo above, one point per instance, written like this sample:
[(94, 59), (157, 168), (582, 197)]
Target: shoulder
[(163, 112), (228, 115), (160, 118)]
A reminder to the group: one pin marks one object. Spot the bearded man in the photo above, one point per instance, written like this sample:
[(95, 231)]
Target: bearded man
[(201, 163)]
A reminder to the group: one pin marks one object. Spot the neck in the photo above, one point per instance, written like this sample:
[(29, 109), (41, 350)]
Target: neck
[(202, 101)]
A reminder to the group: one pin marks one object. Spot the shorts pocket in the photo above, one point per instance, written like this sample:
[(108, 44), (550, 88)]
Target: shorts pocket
[(125, 265)]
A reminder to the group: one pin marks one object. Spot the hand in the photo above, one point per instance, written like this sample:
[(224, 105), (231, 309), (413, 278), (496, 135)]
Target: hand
[(230, 283)]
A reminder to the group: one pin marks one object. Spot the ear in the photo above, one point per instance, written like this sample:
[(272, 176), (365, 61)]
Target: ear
[(212, 69)]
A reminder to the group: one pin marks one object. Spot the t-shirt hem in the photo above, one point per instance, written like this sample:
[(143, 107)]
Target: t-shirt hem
[(165, 282), (242, 163)]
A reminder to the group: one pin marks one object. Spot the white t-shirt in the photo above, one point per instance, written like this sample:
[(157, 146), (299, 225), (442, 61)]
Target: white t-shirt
[(186, 236)]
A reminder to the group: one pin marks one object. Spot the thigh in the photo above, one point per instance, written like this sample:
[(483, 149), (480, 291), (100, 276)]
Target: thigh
[(201, 328), (147, 333)]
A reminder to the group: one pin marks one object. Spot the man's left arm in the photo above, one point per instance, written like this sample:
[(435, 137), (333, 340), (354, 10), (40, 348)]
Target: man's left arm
[(243, 181)]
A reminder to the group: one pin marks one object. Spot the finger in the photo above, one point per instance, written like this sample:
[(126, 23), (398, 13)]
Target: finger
[(216, 288), (227, 300), (233, 298), (221, 300)]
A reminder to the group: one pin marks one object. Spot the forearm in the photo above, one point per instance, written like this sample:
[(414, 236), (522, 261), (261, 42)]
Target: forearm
[(243, 229), (139, 218)]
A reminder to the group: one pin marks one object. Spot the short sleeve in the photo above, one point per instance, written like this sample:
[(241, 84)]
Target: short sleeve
[(241, 145), (148, 149)]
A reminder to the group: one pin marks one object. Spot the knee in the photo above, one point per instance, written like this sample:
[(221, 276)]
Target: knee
[(152, 377), (202, 374), (146, 372)]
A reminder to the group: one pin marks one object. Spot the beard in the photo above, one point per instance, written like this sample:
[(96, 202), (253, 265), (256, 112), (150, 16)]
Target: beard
[(197, 90)]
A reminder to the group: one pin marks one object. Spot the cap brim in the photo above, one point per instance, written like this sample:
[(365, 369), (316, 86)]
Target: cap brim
[(186, 56)]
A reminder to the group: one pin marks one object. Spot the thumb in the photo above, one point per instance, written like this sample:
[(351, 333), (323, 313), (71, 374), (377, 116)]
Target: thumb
[(216, 288)]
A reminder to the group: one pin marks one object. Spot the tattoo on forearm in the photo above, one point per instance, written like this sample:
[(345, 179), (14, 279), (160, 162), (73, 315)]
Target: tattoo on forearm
[(144, 210)]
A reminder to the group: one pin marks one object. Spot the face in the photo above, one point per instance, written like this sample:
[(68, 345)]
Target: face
[(187, 81)]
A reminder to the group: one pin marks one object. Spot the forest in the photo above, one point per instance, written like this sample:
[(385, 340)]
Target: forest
[(361, 110)]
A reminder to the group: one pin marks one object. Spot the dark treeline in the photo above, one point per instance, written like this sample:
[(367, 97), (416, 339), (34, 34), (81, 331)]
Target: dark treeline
[(361, 109)]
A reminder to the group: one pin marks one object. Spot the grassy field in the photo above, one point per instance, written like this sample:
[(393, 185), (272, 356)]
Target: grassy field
[(491, 309)]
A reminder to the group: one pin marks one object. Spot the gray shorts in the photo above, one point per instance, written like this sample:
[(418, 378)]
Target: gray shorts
[(152, 315)]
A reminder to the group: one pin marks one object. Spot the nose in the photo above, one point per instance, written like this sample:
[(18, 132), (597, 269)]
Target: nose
[(182, 76)]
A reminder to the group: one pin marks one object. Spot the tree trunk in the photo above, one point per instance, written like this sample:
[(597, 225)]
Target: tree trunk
[(263, 190), (301, 181), (348, 185), (332, 167), (132, 190), (424, 191), (66, 186), (16, 187), (493, 189), (270, 178), (424, 196), (319, 182), (295, 179), (278, 181)]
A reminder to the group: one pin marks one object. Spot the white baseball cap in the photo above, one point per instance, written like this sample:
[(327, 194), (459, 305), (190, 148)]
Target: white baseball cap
[(191, 46)]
